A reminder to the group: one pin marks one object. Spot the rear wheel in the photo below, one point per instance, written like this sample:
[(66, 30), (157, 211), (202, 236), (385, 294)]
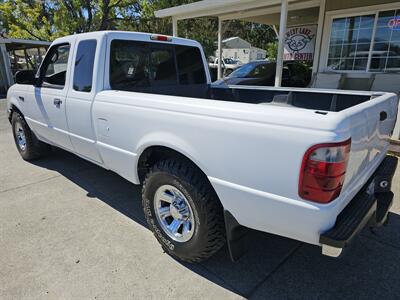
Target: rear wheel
[(183, 210), (29, 147)]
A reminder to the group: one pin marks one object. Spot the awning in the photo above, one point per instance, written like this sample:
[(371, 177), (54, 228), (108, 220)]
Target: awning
[(15, 44)]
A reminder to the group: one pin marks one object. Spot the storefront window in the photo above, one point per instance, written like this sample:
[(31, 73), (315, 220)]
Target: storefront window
[(386, 52), (350, 43), (351, 38)]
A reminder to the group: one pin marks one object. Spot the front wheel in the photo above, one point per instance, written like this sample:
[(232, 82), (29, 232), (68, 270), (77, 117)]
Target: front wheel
[(183, 211), (29, 147)]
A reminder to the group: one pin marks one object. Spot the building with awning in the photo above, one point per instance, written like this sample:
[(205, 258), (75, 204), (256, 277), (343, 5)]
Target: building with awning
[(352, 44), (355, 37)]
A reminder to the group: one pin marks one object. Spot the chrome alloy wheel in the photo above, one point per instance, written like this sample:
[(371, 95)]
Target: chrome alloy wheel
[(174, 213), (20, 136)]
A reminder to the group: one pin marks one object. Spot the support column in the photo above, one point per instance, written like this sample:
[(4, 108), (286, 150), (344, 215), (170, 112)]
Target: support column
[(282, 30), (219, 48), (318, 39), (3, 77), (7, 66), (174, 26), (276, 31)]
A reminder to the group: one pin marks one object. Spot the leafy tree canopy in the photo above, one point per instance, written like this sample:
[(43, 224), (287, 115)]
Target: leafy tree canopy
[(50, 19)]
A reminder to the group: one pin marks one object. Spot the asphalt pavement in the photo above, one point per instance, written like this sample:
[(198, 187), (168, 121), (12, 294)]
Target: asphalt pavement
[(72, 230)]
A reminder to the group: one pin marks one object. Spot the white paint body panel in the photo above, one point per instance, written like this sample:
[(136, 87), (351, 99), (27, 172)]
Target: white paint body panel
[(251, 153)]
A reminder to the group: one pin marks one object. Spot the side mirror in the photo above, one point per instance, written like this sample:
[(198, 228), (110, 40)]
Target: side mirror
[(25, 77)]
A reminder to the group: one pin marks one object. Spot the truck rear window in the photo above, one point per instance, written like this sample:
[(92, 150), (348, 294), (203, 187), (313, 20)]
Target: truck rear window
[(162, 67), (136, 65), (190, 65)]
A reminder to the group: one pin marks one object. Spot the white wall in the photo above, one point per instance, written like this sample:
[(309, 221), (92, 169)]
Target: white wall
[(244, 55), (257, 54), (236, 43), (240, 54)]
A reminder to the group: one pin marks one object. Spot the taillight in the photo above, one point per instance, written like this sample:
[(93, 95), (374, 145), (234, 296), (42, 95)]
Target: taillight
[(163, 38), (323, 171)]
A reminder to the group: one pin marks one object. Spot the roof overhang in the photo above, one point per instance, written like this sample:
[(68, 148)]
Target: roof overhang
[(18, 44), (231, 9), (23, 41)]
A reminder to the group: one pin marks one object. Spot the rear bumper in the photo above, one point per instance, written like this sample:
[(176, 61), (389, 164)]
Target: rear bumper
[(369, 207)]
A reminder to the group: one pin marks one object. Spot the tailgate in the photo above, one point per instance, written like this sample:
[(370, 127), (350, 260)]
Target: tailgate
[(371, 125)]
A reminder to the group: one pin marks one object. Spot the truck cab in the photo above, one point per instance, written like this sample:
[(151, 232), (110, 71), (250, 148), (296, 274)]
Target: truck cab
[(75, 67)]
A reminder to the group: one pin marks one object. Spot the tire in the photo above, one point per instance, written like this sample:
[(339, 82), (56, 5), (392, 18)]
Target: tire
[(29, 147), (204, 211)]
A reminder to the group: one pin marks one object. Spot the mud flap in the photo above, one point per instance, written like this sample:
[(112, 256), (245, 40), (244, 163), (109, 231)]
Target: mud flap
[(236, 236)]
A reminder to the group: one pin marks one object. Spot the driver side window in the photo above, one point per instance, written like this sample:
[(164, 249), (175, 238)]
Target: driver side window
[(54, 69), (259, 72)]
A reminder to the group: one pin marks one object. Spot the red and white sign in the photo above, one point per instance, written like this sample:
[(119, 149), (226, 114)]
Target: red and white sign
[(394, 24)]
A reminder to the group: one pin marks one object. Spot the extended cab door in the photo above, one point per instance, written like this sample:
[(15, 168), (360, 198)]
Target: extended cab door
[(81, 94), (48, 98)]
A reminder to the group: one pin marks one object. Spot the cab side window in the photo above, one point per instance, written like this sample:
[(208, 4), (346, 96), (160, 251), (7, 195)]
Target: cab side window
[(84, 61), (54, 69)]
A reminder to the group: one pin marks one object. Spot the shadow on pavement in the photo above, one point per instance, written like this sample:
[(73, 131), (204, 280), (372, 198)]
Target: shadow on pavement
[(274, 267)]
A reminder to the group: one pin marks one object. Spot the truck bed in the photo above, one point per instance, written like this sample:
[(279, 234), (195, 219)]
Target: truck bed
[(303, 98), (251, 154)]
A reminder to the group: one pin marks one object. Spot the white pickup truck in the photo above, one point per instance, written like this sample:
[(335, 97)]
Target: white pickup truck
[(214, 161)]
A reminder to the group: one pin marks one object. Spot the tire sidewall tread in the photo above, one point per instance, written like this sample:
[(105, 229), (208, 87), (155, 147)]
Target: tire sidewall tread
[(208, 236), (34, 148)]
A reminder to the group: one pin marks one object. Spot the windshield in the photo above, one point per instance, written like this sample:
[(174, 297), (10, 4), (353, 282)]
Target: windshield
[(229, 61), (242, 71)]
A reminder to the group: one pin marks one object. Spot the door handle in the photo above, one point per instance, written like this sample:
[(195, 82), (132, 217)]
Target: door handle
[(57, 101), (383, 116)]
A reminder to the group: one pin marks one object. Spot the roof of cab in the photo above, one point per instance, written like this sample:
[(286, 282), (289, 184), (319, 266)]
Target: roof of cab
[(127, 35)]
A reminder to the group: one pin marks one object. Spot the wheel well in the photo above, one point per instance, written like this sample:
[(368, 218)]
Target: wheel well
[(154, 154), (13, 109)]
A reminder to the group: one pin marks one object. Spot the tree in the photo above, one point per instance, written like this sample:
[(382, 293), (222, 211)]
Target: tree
[(3, 23), (26, 18), (143, 19), (49, 19), (272, 50), (258, 35)]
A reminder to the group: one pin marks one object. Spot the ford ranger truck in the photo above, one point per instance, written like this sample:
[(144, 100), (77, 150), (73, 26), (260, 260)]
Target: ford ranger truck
[(214, 161)]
